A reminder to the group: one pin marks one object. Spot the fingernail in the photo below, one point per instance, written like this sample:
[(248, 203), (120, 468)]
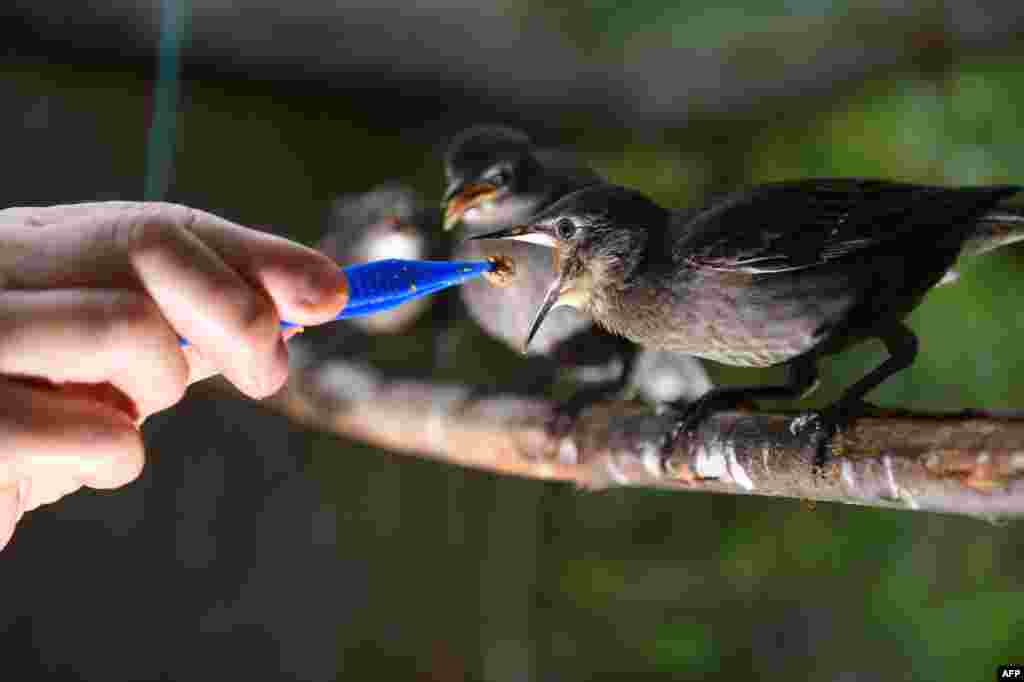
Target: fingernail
[(325, 285)]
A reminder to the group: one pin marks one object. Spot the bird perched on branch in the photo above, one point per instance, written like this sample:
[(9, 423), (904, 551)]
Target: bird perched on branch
[(389, 221), (497, 177), (780, 273)]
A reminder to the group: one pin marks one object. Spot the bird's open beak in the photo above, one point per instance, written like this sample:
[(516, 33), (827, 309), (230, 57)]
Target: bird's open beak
[(532, 234), (460, 197), (559, 293)]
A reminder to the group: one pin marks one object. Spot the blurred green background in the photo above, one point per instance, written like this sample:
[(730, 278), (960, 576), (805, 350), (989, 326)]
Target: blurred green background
[(382, 566)]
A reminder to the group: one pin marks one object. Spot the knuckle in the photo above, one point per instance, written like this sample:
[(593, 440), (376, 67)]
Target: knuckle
[(178, 387), (278, 375), (131, 332), (179, 215), (128, 466), (161, 211), (255, 318), (136, 311), (49, 493), (135, 322), (171, 390), (107, 437), (145, 227), (253, 323), (28, 216), (149, 231), (125, 316), (164, 386), (123, 441)]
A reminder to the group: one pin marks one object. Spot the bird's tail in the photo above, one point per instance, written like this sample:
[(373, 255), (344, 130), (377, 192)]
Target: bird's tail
[(995, 229)]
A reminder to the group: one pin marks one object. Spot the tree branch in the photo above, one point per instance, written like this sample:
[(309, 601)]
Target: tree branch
[(969, 463)]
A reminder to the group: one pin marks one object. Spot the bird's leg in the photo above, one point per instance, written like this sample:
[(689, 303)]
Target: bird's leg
[(567, 412), (901, 344), (801, 379)]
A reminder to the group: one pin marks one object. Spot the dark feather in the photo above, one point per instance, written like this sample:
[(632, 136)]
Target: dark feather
[(784, 226)]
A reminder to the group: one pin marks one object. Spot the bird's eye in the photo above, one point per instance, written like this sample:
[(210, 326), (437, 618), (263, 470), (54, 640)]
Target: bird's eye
[(565, 228), (498, 177)]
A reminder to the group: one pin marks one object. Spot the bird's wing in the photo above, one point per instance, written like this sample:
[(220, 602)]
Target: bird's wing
[(794, 225)]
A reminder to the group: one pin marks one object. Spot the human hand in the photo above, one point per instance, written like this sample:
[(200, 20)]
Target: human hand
[(93, 298)]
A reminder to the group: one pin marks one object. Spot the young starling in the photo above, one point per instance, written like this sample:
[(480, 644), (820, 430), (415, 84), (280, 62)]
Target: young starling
[(497, 177), (389, 221), (778, 273)]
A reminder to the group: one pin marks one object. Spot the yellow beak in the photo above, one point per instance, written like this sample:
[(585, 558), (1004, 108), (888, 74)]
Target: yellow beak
[(469, 196)]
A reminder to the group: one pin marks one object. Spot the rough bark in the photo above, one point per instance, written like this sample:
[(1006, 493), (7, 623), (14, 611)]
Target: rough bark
[(969, 463)]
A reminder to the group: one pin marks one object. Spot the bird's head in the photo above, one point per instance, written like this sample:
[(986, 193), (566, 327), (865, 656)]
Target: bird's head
[(598, 235), (389, 221), (487, 168), (386, 222)]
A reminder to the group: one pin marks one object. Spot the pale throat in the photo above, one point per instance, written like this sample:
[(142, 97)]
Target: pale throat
[(499, 208), (578, 293)]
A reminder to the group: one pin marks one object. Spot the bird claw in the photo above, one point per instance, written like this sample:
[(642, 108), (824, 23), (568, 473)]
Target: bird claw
[(803, 422), (666, 457), (566, 413), (825, 424), (560, 423), (693, 416)]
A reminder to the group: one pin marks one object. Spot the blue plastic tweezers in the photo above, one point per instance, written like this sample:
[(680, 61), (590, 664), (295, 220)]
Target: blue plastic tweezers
[(386, 284)]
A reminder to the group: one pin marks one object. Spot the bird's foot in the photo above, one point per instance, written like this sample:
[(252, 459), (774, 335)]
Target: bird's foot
[(826, 423), (824, 426), (566, 413), (693, 414), (561, 421)]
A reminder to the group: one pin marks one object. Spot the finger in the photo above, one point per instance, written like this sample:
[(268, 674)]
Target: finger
[(228, 321), (232, 323), (51, 486), (60, 442), (41, 216), (94, 336), (200, 368), (305, 285)]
